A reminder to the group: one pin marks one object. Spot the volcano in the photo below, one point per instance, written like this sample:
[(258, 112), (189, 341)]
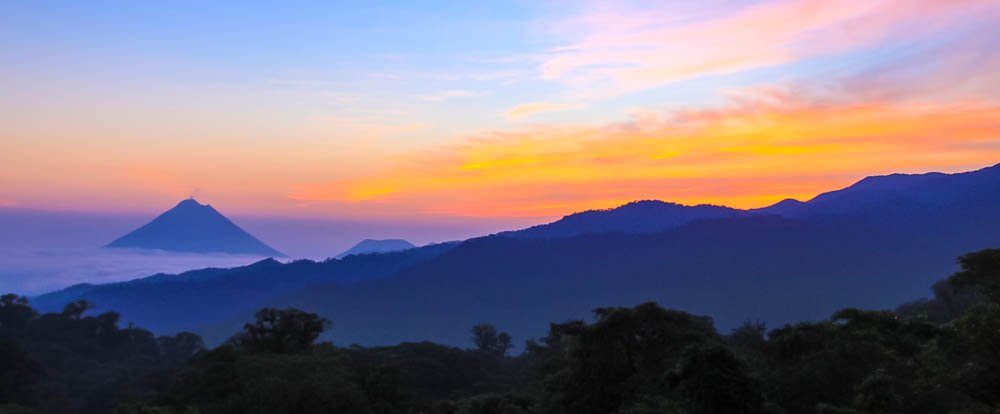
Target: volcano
[(194, 228)]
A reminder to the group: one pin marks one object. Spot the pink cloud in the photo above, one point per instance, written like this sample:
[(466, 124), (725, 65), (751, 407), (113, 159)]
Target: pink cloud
[(624, 50)]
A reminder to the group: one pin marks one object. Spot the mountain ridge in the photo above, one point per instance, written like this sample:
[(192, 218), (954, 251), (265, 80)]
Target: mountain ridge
[(650, 216), (887, 252), (641, 216)]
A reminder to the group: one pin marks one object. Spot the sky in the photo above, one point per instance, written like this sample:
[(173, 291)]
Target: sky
[(453, 112)]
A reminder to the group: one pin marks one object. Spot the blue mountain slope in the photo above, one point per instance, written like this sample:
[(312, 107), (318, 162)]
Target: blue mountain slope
[(196, 228), (769, 268), (369, 246), (648, 216), (169, 303), (897, 193), (893, 196)]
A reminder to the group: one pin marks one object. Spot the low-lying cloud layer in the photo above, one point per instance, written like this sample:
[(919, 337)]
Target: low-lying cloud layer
[(35, 271)]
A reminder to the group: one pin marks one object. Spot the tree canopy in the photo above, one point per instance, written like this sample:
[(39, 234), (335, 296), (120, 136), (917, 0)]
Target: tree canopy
[(937, 355)]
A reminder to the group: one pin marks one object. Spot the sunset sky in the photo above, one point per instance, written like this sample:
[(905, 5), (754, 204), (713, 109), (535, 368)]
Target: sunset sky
[(530, 109)]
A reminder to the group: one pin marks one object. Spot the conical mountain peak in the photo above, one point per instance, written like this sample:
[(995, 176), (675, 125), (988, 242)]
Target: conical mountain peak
[(194, 227), (190, 202)]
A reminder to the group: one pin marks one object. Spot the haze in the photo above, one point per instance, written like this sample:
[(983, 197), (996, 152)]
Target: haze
[(42, 251)]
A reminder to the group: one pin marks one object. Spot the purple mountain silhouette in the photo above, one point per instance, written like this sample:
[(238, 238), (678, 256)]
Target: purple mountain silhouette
[(197, 228)]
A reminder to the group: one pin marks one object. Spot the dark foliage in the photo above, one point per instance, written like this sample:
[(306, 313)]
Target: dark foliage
[(628, 360), (488, 339), (980, 271), (280, 331), (68, 362)]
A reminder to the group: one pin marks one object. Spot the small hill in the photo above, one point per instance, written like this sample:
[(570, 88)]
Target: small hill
[(368, 246), (195, 228)]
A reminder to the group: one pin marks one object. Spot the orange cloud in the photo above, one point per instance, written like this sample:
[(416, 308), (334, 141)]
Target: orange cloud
[(748, 154)]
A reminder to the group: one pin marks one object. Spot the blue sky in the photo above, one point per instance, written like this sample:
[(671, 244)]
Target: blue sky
[(364, 110)]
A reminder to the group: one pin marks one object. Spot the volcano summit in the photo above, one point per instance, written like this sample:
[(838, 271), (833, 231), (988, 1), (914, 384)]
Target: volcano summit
[(195, 228)]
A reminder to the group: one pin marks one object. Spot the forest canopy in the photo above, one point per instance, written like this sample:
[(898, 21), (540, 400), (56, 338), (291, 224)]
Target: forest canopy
[(937, 355)]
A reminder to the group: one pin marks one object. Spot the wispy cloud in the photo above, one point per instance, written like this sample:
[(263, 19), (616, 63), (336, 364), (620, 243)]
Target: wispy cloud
[(821, 88), (534, 108), (625, 49), (932, 109)]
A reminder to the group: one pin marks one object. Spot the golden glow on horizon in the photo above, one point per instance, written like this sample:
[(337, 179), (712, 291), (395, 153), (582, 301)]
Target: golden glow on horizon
[(591, 106), (747, 155)]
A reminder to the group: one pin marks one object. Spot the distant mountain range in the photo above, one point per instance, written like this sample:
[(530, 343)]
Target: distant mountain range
[(875, 244), (905, 193), (648, 216), (195, 228), (369, 246)]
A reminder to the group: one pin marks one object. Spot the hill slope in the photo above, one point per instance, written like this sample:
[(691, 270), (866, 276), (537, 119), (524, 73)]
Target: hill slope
[(895, 194), (377, 246), (760, 265), (769, 268), (171, 303)]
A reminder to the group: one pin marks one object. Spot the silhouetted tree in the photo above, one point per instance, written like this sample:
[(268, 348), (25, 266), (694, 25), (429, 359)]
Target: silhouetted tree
[(970, 345), (713, 380), (980, 270), (970, 351), (18, 374), (749, 335), (15, 314), (180, 347), (76, 309), (617, 361), (69, 362), (488, 339), (12, 299), (854, 353), (879, 393), (504, 343), (281, 331)]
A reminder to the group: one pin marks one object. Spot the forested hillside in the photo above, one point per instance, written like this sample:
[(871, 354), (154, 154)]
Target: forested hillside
[(934, 355)]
